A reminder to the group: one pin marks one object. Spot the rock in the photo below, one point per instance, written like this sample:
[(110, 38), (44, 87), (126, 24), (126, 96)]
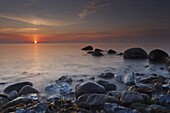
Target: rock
[(89, 88), (95, 101), (166, 87), (100, 50), (140, 107), (21, 111), (54, 98), (12, 95), (108, 86), (92, 78), (163, 100), (27, 90), (120, 54), (158, 55), (114, 108), (97, 54), (110, 51), (3, 100), (40, 108), (157, 89), (87, 48), (135, 53), (115, 94), (17, 87), (129, 97), (157, 109), (90, 52), (152, 79), (65, 79), (106, 75), (130, 79)]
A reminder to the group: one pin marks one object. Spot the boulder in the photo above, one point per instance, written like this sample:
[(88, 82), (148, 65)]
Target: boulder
[(89, 88), (129, 97), (108, 86), (3, 100), (95, 101), (157, 109), (110, 51), (135, 53), (100, 50), (65, 79), (106, 75), (152, 79), (158, 55), (97, 54), (87, 48), (12, 95), (130, 79), (27, 90), (115, 94), (17, 87)]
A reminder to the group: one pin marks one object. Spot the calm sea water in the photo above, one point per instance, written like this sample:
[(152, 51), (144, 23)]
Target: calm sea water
[(44, 63)]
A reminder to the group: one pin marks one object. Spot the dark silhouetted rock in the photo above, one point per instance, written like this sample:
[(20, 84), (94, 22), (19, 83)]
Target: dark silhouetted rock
[(108, 86), (100, 50), (97, 54), (106, 75), (111, 51), (87, 48), (90, 52), (95, 101), (119, 54), (27, 90), (135, 53), (158, 55), (17, 87), (88, 88)]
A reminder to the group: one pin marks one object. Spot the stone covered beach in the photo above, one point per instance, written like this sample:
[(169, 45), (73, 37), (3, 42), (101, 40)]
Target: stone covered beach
[(139, 92)]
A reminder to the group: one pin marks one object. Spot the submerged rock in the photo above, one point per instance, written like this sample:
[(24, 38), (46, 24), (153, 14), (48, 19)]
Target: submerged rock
[(95, 101), (106, 75), (88, 88), (17, 87), (158, 55), (135, 53), (110, 51), (108, 86), (87, 48)]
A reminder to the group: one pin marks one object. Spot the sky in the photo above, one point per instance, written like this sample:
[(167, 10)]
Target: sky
[(103, 21)]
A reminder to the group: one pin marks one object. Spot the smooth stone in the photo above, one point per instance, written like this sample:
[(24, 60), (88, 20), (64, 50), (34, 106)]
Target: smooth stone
[(163, 100), (40, 108), (152, 79), (142, 88), (17, 87), (157, 109), (110, 51), (87, 48), (12, 95), (100, 50), (114, 108), (89, 88), (27, 90), (130, 79), (95, 101), (106, 75), (3, 100), (97, 54), (135, 53), (115, 94), (158, 55), (54, 98), (108, 86), (129, 97), (65, 79)]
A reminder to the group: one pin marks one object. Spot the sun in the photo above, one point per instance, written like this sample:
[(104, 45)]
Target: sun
[(35, 42)]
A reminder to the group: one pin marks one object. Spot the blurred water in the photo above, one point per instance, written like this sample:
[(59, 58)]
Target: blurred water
[(44, 63)]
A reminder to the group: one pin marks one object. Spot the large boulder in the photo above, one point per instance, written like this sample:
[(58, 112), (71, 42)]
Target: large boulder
[(17, 87), (89, 88), (87, 48), (95, 101), (135, 53), (158, 55)]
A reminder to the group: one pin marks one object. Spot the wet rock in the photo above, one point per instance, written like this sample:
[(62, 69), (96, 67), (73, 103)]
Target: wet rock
[(3, 100), (130, 79), (17, 87), (152, 79), (88, 88), (21, 111), (163, 100), (140, 107), (129, 97), (110, 51), (106, 75), (87, 48), (95, 101), (158, 55), (40, 108), (12, 95), (115, 94), (100, 50), (114, 108), (54, 98), (135, 53), (27, 90), (65, 79), (157, 109), (108, 86), (166, 87), (97, 54)]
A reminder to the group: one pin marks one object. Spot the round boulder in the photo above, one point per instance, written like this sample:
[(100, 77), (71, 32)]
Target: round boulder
[(87, 48), (135, 53), (158, 55), (108, 86), (89, 88), (98, 50), (111, 51), (27, 90)]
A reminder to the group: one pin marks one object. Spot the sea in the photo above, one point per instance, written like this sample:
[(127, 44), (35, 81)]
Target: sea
[(43, 63)]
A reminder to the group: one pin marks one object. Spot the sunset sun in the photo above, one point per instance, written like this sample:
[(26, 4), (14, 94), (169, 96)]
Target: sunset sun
[(35, 42)]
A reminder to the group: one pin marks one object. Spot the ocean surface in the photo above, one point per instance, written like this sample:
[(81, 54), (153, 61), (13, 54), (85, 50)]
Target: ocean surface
[(42, 64)]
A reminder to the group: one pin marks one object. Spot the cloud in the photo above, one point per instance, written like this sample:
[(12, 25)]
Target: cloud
[(35, 20), (92, 8)]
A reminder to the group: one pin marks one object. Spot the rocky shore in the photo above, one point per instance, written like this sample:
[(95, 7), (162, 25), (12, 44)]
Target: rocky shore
[(142, 93)]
